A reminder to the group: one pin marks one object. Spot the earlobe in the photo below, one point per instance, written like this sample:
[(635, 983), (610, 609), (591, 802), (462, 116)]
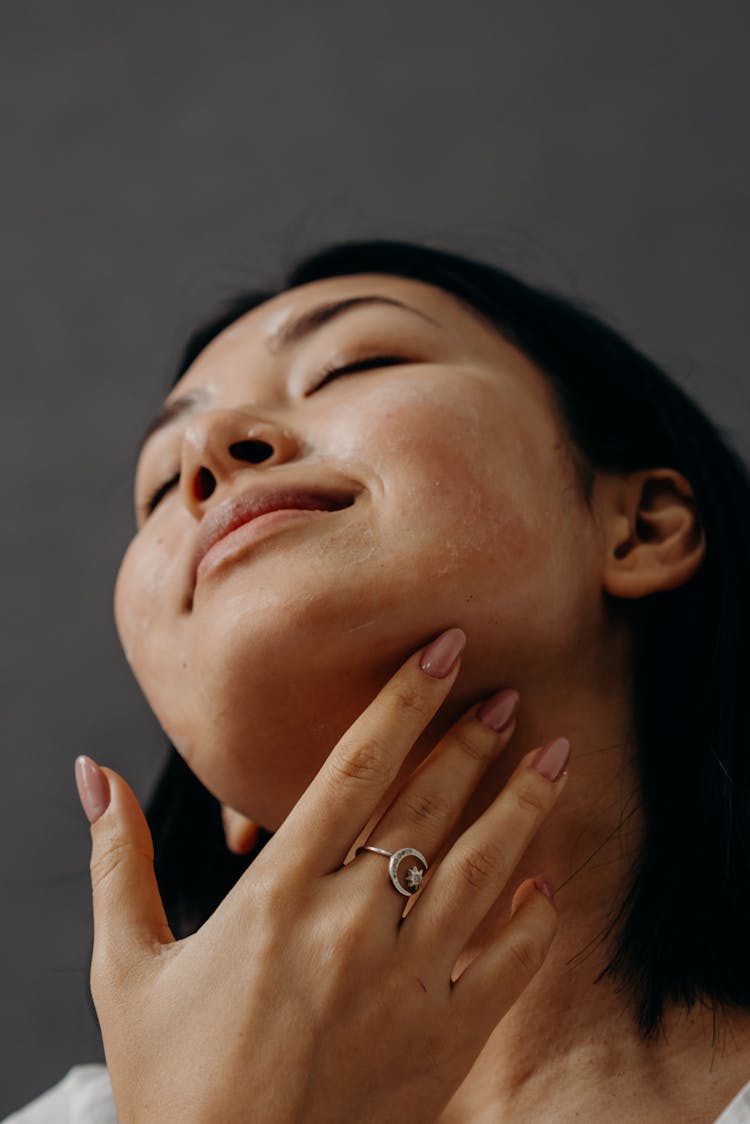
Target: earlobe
[(654, 539), (240, 833)]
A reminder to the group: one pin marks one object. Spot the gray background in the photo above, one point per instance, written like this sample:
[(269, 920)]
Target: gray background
[(157, 154)]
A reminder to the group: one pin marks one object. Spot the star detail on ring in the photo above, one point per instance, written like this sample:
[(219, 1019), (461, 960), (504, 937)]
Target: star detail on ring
[(414, 878), (414, 874)]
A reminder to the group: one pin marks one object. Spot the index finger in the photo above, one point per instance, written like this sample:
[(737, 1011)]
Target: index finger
[(366, 760)]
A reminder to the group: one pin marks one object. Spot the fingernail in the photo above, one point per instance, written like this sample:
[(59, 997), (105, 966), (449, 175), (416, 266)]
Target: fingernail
[(499, 710), (544, 887), (551, 760), (438, 659), (93, 788)]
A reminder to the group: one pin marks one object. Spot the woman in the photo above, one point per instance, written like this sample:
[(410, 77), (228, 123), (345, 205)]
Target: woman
[(502, 537)]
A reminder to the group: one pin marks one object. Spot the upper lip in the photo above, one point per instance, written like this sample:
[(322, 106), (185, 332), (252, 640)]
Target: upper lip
[(243, 508)]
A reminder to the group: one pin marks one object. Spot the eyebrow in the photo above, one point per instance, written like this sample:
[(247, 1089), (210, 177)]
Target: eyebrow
[(307, 322), (290, 334)]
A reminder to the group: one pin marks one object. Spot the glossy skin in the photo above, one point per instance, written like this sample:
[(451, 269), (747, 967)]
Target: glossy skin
[(468, 513)]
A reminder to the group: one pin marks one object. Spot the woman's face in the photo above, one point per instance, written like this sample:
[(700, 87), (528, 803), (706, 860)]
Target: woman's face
[(465, 512)]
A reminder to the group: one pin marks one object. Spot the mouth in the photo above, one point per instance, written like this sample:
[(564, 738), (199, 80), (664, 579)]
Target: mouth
[(245, 519)]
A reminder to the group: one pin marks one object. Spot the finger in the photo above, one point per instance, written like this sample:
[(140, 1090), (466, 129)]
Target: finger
[(240, 833), (493, 981), (431, 802), (476, 869), (129, 917), (366, 760)]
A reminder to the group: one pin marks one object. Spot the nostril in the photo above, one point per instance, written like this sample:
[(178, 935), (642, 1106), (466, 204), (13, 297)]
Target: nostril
[(253, 451), (205, 483)]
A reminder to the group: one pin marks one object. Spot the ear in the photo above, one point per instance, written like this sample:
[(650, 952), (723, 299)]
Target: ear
[(240, 833), (653, 535)]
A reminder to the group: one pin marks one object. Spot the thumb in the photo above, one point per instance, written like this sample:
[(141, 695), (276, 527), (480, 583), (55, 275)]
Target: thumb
[(129, 917)]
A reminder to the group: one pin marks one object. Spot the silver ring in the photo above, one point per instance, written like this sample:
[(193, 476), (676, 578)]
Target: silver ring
[(414, 875)]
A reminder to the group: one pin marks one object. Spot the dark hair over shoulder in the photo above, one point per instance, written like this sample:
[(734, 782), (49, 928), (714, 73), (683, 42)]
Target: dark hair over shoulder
[(681, 930)]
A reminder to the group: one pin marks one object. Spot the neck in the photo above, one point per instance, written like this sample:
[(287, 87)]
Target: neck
[(569, 1048)]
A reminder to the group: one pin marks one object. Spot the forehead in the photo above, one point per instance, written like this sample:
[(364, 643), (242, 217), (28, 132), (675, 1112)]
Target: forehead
[(265, 325), (430, 298)]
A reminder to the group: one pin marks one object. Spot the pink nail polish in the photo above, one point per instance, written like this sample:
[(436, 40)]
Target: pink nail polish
[(93, 788), (499, 710), (551, 759), (438, 659), (544, 887)]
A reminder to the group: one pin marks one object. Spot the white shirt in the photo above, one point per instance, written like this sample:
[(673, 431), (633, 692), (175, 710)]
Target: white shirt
[(84, 1096)]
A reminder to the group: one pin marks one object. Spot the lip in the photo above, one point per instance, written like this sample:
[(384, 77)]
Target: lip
[(236, 512)]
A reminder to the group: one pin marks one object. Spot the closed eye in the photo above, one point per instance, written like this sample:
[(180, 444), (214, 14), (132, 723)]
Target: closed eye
[(157, 495), (369, 364)]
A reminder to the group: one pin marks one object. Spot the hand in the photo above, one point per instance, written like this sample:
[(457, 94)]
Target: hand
[(306, 996)]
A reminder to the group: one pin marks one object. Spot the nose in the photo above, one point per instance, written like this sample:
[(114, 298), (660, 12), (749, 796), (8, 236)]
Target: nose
[(218, 444)]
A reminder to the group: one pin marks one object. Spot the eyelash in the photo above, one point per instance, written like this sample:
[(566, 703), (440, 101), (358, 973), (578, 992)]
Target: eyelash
[(329, 374), (159, 492)]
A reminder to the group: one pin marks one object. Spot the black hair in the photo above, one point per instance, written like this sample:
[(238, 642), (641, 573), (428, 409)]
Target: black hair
[(680, 933)]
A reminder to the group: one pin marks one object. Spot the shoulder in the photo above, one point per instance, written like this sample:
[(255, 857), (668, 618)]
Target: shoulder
[(738, 1110), (84, 1096)]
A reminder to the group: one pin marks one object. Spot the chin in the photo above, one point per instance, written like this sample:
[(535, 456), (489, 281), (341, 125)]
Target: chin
[(258, 749), (262, 693)]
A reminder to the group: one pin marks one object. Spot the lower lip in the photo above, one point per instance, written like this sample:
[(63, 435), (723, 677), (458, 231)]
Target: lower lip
[(231, 545)]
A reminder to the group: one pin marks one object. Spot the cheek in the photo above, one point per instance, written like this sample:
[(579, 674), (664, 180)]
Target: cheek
[(146, 587), (146, 605), (468, 480)]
